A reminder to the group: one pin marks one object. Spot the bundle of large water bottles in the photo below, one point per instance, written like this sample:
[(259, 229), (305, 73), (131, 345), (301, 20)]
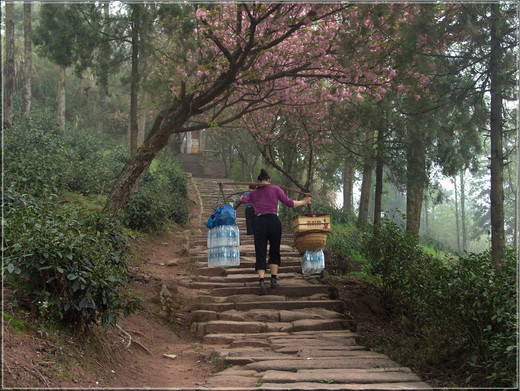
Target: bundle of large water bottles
[(223, 242), (313, 261)]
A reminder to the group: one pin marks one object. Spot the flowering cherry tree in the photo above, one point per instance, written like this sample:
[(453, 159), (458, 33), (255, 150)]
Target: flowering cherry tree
[(255, 57)]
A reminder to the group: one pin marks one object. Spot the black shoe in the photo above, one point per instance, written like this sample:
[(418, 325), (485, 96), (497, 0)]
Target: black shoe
[(262, 289), (274, 282)]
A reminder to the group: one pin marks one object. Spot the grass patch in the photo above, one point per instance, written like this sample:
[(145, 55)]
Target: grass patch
[(17, 324)]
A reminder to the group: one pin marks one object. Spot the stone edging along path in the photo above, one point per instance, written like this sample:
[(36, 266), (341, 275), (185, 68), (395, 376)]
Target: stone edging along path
[(294, 337)]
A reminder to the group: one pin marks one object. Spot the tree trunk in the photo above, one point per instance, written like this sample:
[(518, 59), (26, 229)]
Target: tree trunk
[(134, 84), (517, 193), (348, 183), (177, 143), (457, 227), (61, 99), (497, 157), (106, 53), (415, 182), (426, 216), (366, 184), (139, 163), (463, 210), (9, 65), (365, 194), (378, 197), (27, 63), (142, 119)]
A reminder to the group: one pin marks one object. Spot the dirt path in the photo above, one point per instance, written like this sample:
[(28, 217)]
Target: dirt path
[(175, 357)]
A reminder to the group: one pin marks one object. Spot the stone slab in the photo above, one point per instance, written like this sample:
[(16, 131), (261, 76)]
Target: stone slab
[(279, 326), (231, 381), (257, 315), (331, 305), (318, 324), (203, 316), (322, 363), (359, 376), (317, 351), (223, 326), (308, 313), (294, 290), (351, 386)]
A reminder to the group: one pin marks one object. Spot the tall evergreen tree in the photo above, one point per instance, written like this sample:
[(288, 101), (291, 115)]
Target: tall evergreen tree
[(63, 37), (27, 63), (9, 70)]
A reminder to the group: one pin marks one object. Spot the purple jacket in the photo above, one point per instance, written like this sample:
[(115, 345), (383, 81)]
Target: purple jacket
[(265, 199)]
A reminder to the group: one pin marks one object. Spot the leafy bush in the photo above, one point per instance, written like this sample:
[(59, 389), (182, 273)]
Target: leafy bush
[(161, 197), (408, 276), (39, 159), (33, 158), (337, 215), (481, 304), (148, 208), (466, 301), (343, 250), (93, 161), (67, 262), (64, 259)]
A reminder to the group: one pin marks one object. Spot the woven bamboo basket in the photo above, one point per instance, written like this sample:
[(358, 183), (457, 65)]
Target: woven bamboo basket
[(310, 240)]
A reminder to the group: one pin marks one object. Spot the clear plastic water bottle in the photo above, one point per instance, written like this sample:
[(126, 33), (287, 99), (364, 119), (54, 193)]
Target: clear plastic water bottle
[(315, 260), (220, 238), (229, 238), (305, 263)]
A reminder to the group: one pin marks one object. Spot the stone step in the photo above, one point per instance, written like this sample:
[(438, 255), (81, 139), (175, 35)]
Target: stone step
[(201, 251), (246, 258), (281, 339), (265, 315), (323, 386), (247, 355), (252, 327), (248, 263), (234, 278), (203, 270), (281, 304), (247, 245), (293, 290), (295, 337), (366, 361), (334, 376)]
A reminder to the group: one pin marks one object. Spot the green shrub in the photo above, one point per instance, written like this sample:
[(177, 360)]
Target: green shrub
[(337, 215), (464, 301), (147, 209), (67, 262), (93, 161), (161, 197), (39, 159), (409, 277), (33, 155), (343, 250), (481, 305)]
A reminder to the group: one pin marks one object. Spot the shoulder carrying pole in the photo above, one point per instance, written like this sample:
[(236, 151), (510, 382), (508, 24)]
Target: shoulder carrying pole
[(263, 184), (221, 184)]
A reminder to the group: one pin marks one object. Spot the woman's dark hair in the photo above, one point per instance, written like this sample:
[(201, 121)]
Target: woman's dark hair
[(263, 176)]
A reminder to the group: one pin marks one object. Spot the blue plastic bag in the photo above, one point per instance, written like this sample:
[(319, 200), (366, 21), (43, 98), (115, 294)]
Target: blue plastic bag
[(223, 215)]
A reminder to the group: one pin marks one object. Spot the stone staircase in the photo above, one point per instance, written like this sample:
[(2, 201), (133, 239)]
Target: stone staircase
[(294, 337), (201, 166)]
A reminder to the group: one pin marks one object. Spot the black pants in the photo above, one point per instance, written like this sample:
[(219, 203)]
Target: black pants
[(250, 219), (267, 229)]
